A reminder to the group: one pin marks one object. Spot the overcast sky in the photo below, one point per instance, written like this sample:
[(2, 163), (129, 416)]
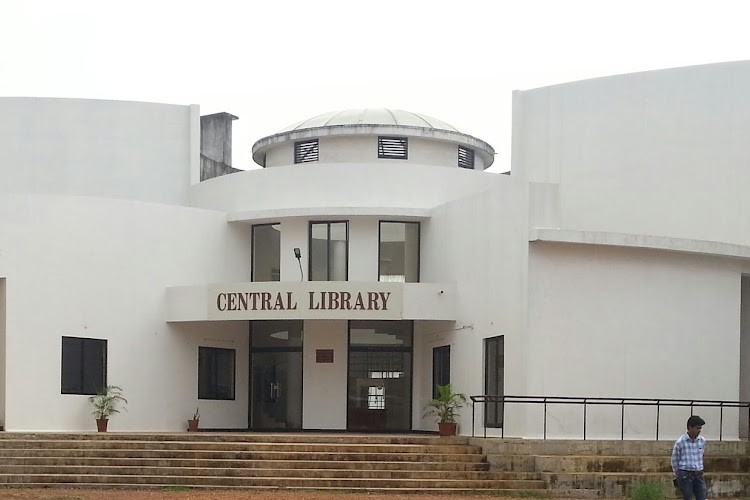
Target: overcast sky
[(273, 63)]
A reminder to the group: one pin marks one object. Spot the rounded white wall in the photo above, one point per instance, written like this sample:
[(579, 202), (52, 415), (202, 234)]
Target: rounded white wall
[(95, 268), (660, 153), (310, 187), (356, 149), (130, 150)]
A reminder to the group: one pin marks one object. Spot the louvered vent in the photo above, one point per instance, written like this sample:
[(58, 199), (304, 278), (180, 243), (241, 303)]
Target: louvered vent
[(465, 157), (395, 148), (305, 151)]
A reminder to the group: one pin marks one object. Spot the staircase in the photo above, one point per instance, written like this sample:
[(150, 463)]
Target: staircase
[(393, 463), (610, 469)]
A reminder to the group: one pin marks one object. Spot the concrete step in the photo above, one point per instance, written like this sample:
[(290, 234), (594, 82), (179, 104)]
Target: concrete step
[(208, 460), (612, 468), (244, 446), (268, 472), (255, 464), (425, 492), (241, 437), (606, 448), (622, 463), (613, 484), (269, 482), (241, 455)]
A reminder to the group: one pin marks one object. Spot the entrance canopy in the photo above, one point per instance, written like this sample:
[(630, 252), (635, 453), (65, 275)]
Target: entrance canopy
[(311, 300)]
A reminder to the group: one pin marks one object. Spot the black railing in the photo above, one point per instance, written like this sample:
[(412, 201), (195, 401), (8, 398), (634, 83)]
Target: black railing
[(585, 402)]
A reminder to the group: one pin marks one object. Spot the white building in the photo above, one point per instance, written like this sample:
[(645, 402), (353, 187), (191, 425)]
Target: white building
[(373, 257)]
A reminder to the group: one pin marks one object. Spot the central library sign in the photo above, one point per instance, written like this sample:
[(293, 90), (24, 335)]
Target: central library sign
[(305, 300)]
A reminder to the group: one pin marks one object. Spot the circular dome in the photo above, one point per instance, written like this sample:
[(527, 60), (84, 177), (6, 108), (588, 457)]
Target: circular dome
[(374, 121), (376, 116)]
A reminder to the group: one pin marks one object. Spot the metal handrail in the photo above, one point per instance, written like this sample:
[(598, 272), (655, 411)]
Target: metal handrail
[(585, 401)]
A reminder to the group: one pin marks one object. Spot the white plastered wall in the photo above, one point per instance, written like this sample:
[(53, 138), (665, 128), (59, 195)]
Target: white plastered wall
[(657, 153), (745, 353), (2, 352), (131, 150), (617, 322), (324, 392), (480, 244), (99, 268)]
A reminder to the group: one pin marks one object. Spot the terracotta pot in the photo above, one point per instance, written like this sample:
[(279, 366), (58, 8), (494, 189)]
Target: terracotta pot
[(101, 424), (193, 425), (447, 428)]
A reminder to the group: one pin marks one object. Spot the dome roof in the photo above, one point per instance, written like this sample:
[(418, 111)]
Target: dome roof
[(374, 116)]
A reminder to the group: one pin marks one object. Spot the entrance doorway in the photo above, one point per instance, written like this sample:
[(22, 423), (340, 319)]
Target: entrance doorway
[(380, 376), (276, 366)]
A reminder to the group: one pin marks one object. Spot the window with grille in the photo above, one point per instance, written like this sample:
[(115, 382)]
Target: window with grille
[(376, 398), (306, 151), (393, 148), (465, 157)]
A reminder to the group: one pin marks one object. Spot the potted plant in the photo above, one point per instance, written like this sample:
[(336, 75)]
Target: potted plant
[(106, 403), (193, 422), (445, 408)]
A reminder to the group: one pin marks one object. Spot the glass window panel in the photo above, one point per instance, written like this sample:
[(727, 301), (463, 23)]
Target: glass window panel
[(276, 333), (380, 333), (411, 252), (329, 247), (266, 252), (337, 249), (319, 252), (399, 252)]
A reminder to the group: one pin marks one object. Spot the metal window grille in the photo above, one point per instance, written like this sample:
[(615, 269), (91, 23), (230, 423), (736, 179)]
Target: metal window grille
[(393, 148), (305, 151), (465, 157)]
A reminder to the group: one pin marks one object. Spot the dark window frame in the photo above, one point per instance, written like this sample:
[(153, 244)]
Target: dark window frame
[(393, 147), (419, 245), (83, 371), (306, 151), (210, 389), (466, 160), (494, 383), (441, 368), (328, 250)]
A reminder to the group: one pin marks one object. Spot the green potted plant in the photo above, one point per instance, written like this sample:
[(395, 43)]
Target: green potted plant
[(106, 403), (445, 407), (193, 422)]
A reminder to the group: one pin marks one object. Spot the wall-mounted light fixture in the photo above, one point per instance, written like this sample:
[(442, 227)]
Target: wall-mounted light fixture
[(298, 256)]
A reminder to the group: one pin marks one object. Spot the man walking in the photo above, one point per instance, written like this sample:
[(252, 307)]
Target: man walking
[(687, 460)]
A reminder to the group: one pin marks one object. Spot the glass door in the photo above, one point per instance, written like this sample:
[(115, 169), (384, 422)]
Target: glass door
[(276, 360)]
